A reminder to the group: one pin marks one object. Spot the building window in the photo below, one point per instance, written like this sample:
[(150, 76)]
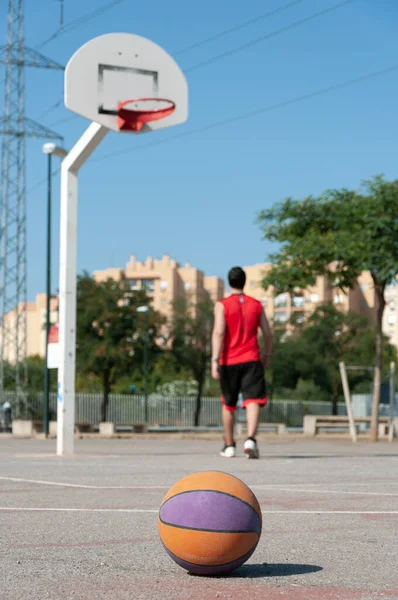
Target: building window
[(163, 285), (163, 302), (298, 301), (187, 285), (280, 317), (391, 319), (364, 287), (391, 304), (148, 285), (299, 317), (338, 299), (314, 298), (133, 283), (253, 284), (264, 300), (280, 301)]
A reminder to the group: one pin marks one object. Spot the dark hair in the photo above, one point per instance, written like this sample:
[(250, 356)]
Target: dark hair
[(237, 278)]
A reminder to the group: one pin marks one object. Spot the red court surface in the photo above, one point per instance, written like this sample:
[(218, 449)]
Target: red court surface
[(86, 527)]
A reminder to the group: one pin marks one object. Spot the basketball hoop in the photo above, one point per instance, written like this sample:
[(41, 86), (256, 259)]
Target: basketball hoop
[(133, 114)]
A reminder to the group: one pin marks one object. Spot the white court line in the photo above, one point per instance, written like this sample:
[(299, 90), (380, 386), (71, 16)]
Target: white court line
[(85, 487), (314, 491), (147, 510), (275, 487)]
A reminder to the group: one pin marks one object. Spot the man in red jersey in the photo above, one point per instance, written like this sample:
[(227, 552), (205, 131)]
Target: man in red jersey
[(237, 361)]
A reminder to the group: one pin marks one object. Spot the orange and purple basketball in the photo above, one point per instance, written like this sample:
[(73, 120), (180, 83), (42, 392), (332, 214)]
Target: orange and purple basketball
[(210, 523)]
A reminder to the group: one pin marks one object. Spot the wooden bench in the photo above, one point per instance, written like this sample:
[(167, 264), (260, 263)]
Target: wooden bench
[(314, 423), (280, 428), (109, 428)]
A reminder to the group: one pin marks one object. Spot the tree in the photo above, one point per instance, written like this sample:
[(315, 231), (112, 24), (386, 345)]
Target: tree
[(311, 353), (35, 375), (332, 336), (109, 330), (190, 334), (338, 235)]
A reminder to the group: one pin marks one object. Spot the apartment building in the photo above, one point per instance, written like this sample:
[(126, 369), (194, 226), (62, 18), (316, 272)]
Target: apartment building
[(301, 304), (165, 280), (35, 327)]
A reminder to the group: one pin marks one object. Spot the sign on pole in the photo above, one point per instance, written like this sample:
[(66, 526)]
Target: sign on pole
[(53, 348)]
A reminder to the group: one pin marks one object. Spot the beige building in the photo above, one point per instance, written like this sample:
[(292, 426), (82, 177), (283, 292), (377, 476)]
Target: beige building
[(35, 327), (302, 303), (165, 280)]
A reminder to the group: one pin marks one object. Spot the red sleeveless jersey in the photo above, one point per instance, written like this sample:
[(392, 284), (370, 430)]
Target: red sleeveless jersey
[(242, 317)]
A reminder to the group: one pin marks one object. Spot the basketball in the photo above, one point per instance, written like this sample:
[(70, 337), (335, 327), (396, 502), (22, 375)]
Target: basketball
[(210, 523)]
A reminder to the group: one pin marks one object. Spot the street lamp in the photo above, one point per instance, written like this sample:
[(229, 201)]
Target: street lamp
[(50, 149), (145, 309)]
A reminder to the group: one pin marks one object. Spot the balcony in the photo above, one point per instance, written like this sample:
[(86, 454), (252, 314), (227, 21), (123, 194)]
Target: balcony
[(280, 301), (280, 317)]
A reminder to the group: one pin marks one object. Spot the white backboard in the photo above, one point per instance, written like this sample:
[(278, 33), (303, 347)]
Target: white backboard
[(116, 67)]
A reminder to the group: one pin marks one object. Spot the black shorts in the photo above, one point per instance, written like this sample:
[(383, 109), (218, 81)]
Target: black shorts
[(245, 378)]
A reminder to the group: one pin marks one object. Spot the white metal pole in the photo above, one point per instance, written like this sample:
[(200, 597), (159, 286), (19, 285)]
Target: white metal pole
[(347, 399), (82, 150), (391, 432)]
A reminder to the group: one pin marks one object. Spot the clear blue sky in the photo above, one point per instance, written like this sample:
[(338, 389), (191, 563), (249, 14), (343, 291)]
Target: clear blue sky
[(197, 197)]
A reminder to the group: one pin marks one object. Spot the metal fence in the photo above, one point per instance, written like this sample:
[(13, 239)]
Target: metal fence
[(166, 411)]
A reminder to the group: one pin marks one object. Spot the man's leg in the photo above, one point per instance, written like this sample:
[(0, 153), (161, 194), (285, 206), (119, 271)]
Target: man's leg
[(252, 419), (228, 423), (230, 391), (254, 397)]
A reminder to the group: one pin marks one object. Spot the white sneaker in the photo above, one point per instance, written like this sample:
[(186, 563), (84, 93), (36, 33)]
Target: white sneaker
[(251, 450), (228, 452)]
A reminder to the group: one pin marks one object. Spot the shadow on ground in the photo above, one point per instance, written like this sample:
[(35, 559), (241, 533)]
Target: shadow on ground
[(274, 570), (265, 570), (323, 456)]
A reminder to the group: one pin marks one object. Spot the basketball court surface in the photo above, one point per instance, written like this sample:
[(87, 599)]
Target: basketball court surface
[(85, 527)]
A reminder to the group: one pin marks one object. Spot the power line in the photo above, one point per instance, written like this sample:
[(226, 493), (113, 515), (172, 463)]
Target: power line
[(184, 50), (249, 44), (225, 32), (77, 22), (256, 112), (42, 182), (242, 117), (63, 120), (80, 21), (265, 37), (51, 109)]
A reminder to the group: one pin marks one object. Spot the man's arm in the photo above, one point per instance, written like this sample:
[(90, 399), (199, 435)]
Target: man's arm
[(267, 333), (217, 338)]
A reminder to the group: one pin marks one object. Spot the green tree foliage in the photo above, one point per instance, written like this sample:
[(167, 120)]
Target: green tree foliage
[(339, 235), (190, 335), (36, 366), (312, 354), (110, 331)]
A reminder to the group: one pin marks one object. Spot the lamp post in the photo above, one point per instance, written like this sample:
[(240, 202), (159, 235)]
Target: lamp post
[(50, 149), (145, 309)]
